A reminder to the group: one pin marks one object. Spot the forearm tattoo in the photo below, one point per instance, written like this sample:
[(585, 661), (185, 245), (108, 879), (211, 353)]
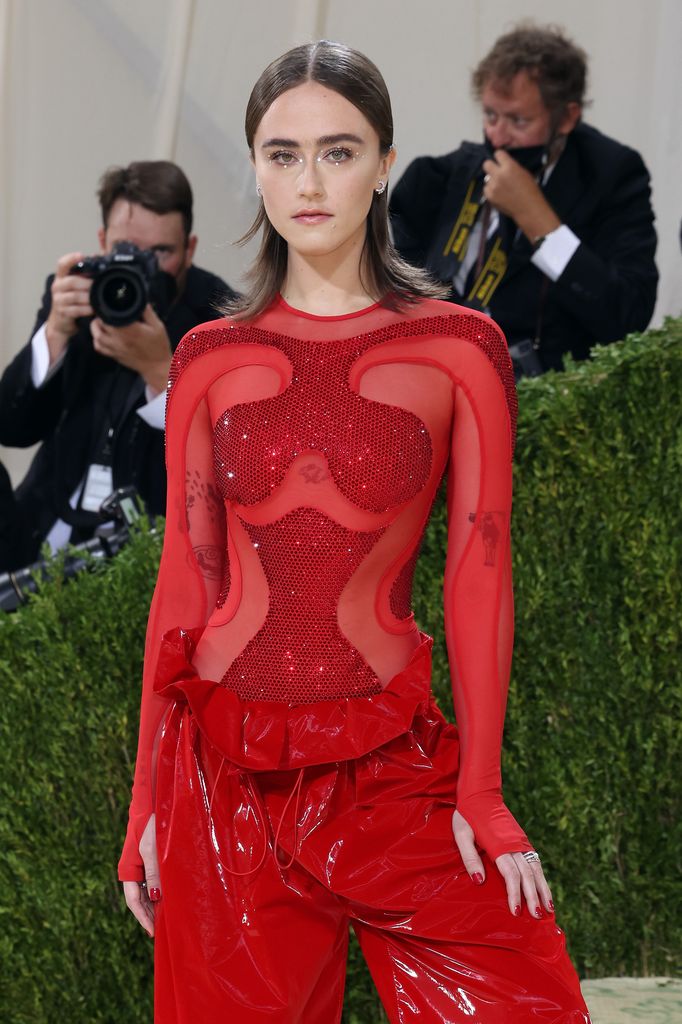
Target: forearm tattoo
[(487, 526), (203, 502), (198, 490), (210, 560)]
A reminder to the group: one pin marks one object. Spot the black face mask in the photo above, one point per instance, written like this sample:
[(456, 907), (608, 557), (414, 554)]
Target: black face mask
[(533, 158)]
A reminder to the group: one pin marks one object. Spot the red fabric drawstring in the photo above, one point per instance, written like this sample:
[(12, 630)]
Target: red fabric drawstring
[(255, 795), (215, 785), (297, 791)]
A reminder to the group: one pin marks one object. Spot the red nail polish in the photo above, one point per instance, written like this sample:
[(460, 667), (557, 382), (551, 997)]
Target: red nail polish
[(154, 894), (551, 906), (477, 877), (517, 911), (538, 912)]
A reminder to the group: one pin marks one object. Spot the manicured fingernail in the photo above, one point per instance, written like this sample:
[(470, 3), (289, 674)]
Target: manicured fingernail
[(154, 894), (477, 877), (538, 912), (517, 911), (551, 906)]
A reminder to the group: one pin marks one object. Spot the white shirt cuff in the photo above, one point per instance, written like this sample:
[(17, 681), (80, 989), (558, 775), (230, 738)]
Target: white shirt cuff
[(554, 254), (154, 412), (41, 371)]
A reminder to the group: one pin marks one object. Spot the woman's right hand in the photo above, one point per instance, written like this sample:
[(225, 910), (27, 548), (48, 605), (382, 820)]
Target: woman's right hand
[(142, 897)]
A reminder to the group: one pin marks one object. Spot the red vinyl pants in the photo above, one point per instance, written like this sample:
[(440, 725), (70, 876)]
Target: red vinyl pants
[(262, 873)]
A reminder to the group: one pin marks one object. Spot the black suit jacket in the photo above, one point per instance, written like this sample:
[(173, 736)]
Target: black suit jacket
[(600, 189), (73, 411), (8, 521)]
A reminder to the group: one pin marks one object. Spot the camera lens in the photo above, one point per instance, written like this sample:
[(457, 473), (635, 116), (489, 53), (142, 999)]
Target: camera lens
[(119, 295)]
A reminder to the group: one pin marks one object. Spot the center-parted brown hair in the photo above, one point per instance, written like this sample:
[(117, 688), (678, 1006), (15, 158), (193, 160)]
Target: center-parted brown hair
[(357, 79)]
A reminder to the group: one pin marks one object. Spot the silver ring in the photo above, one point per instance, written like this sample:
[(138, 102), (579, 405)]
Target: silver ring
[(531, 856)]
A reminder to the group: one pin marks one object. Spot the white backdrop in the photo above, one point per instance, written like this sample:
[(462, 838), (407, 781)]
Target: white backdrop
[(85, 84)]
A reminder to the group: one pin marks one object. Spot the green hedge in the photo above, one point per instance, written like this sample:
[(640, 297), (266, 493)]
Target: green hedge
[(593, 745)]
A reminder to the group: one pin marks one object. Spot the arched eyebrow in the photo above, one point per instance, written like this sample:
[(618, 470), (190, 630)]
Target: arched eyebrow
[(324, 140)]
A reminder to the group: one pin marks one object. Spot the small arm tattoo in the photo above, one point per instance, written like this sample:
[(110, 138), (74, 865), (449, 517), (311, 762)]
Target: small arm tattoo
[(210, 560), (198, 490), (486, 525)]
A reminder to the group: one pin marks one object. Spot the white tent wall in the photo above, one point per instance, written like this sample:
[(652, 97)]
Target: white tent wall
[(85, 84)]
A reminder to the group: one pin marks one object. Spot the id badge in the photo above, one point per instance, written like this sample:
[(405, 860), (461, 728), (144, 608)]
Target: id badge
[(99, 483)]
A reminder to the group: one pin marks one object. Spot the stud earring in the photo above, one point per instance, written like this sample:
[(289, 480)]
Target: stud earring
[(259, 190), (381, 188)]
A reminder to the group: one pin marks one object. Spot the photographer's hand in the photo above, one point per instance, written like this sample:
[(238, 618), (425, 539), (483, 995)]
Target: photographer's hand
[(142, 346), (70, 300), (514, 191)]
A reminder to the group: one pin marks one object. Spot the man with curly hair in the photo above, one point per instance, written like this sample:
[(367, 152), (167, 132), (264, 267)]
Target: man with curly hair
[(547, 225)]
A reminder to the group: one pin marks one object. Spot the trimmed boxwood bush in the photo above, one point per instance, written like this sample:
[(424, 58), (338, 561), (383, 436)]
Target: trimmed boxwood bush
[(593, 743)]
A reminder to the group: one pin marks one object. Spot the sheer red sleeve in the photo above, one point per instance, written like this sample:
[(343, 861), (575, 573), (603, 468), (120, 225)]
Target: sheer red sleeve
[(479, 618), (191, 570)]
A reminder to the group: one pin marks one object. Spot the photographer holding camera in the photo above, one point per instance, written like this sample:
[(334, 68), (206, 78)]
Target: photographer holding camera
[(90, 384), (547, 226)]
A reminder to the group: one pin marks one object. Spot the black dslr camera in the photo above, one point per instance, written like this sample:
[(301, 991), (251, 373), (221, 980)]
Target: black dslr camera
[(124, 281), (119, 514)]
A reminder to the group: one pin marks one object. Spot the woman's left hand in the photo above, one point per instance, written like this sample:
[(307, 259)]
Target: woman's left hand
[(520, 876), (141, 897)]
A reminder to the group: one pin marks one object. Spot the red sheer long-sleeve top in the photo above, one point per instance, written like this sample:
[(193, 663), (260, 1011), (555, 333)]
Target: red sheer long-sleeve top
[(303, 457)]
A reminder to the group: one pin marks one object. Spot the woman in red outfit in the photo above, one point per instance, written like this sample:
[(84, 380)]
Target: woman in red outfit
[(294, 775)]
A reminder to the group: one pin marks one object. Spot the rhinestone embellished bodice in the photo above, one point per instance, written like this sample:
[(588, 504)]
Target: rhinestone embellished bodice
[(325, 484), (255, 444)]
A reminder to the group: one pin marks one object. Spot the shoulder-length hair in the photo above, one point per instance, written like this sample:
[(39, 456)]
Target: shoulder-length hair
[(383, 273)]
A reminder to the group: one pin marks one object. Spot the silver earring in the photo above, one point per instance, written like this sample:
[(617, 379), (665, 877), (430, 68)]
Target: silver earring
[(259, 190), (381, 188)]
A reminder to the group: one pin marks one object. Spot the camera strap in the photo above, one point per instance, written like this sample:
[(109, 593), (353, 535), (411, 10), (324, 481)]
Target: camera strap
[(99, 482), (451, 241), (99, 478), (449, 254), (458, 238), (117, 401), (491, 261)]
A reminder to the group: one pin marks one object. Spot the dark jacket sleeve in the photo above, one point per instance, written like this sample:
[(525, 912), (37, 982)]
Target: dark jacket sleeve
[(8, 522), (414, 207), (29, 414), (201, 300), (609, 284)]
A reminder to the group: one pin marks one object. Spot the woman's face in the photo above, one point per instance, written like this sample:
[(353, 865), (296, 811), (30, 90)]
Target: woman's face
[(317, 162)]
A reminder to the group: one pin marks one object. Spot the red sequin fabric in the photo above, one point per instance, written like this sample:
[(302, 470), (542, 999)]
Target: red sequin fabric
[(287, 659), (479, 330), (400, 598), (255, 444)]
